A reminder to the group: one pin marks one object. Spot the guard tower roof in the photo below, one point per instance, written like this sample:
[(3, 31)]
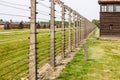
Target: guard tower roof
[(108, 1)]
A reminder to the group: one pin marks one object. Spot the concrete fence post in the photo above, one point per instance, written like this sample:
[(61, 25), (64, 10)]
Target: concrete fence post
[(80, 29), (77, 31), (85, 29), (69, 33), (63, 31), (32, 54), (85, 50), (52, 35), (74, 27)]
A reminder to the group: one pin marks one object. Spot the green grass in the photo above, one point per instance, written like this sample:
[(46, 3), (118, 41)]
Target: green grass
[(103, 62), (14, 51), (14, 46)]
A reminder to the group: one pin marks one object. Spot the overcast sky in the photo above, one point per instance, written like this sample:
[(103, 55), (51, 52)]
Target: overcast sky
[(87, 8)]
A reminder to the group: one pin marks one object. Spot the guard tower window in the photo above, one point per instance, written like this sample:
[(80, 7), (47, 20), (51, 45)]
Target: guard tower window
[(104, 7), (110, 26), (117, 7), (111, 8)]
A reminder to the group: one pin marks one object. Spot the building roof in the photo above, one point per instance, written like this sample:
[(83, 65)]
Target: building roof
[(109, 1), (15, 23), (2, 23)]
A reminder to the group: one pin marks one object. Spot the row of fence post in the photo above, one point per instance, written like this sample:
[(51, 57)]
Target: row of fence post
[(72, 45)]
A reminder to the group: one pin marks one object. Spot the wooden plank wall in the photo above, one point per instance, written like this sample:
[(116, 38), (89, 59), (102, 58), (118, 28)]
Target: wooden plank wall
[(107, 19)]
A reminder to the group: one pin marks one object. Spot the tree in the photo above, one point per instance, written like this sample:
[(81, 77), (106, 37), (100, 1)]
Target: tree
[(1, 20), (96, 22)]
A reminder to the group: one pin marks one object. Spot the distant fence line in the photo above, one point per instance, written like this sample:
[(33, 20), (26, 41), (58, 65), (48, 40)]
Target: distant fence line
[(44, 45)]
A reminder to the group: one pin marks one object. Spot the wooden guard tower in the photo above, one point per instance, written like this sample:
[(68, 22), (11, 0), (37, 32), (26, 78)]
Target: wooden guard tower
[(109, 17)]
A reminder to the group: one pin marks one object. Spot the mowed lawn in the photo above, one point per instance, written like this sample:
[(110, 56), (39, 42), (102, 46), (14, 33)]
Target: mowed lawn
[(14, 51), (103, 62)]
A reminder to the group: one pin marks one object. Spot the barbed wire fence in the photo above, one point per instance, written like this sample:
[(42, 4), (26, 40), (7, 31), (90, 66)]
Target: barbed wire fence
[(51, 29), (14, 44)]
